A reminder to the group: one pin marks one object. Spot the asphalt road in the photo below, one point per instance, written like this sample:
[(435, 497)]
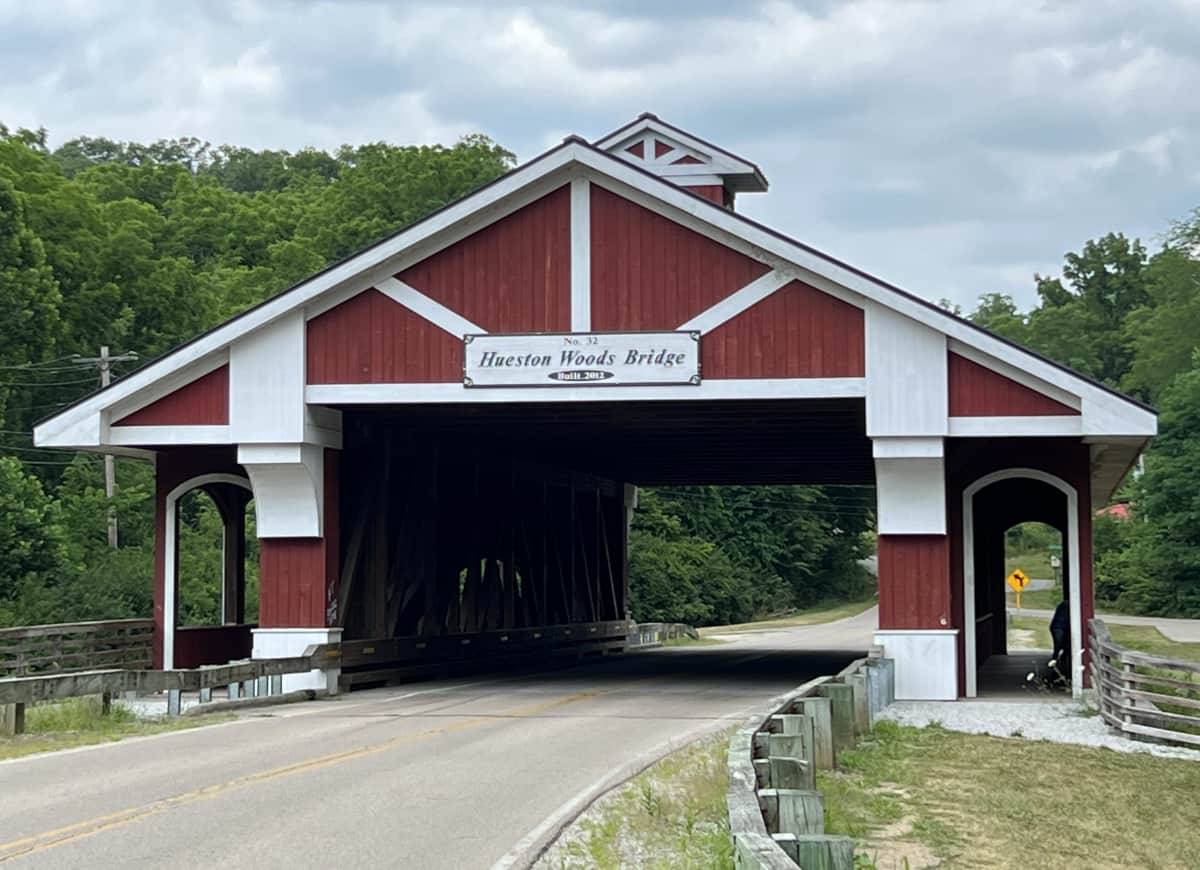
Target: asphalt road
[(439, 774)]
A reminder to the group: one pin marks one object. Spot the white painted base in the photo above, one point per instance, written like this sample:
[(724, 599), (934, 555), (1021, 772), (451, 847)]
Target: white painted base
[(926, 662), (280, 643)]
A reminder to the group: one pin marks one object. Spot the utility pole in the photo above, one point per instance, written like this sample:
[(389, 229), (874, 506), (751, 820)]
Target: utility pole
[(104, 363)]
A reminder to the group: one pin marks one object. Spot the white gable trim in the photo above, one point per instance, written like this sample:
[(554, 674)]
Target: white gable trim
[(647, 129), (1103, 413), (581, 255), (737, 302), (430, 309), (74, 426)]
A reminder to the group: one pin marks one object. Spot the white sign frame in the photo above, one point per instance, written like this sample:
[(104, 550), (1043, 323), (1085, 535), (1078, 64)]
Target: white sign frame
[(544, 360)]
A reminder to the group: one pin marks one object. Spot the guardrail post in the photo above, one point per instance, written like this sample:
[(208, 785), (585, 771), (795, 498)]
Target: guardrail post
[(12, 719), (822, 718), (105, 703), (232, 690), (264, 687), (174, 702), (277, 684), (841, 708), (205, 695)]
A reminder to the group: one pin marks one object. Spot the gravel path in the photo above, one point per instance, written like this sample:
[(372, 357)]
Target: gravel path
[(1063, 722)]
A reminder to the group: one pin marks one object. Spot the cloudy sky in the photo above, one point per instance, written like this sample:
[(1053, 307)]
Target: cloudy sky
[(954, 148)]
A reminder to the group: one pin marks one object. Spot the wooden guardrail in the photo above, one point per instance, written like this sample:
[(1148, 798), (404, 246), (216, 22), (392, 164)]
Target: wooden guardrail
[(1145, 695), (776, 815), (76, 646)]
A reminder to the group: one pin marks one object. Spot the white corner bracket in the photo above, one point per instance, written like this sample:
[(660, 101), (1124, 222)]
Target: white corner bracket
[(289, 488)]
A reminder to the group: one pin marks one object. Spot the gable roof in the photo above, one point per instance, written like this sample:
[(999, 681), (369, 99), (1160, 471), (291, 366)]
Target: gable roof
[(738, 173), (556, 165)]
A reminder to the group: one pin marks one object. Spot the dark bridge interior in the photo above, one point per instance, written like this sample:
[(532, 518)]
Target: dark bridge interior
[(653, 443), (469, 531)]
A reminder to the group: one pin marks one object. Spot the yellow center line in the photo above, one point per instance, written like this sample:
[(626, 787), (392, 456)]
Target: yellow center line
[(99, 824)]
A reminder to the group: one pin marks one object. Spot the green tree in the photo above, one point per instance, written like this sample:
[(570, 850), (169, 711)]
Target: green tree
[(29, 295), (30, 539)]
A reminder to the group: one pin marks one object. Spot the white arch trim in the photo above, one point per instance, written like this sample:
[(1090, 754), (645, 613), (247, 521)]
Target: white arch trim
[(1073, 574), (170, 554)]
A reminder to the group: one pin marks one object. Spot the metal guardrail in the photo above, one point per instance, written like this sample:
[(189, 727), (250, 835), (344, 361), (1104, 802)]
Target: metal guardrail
[(1144, 695), (776, 815), (361, 662), (76, 646), (17, 692)]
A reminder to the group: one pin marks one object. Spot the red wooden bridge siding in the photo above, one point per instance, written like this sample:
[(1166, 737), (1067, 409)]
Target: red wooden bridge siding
[(512, 276), (917, 591), (796, 332), (303, 572), (976, 391), (203, 402), (650, 273), (371, 339)]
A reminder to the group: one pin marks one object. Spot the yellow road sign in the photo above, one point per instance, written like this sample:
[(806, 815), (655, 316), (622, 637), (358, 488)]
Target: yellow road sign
[(1018, 579)]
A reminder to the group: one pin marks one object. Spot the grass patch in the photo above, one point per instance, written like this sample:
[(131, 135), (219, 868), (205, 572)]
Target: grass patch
[(672, 815), (1149, 639), (977, 801), (821, 613), (1034, 599), (1036, 565), (1145, 638), (81, 722)]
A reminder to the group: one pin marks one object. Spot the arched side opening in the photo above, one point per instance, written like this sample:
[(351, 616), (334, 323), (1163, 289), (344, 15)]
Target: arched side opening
[(220, 630), (992, 505)]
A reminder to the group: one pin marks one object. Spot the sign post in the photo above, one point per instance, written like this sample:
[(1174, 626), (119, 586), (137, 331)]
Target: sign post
[(1018, 580)]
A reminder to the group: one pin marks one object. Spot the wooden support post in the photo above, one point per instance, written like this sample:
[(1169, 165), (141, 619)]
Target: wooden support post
[(841, 708), (818, 851), (12, 720), (793, 811), (795, 773), (862, 709), (822, 718)]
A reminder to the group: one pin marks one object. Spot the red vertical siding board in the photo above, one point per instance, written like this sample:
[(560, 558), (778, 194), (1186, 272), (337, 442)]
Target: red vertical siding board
[(796, 332), (372, 339), (511, 276), (649, 272), (203, 402), (914, 581), (712, 192), (977, 391)]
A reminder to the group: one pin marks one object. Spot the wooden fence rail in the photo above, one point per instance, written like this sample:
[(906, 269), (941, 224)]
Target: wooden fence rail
[(1144, 695), (78, 646)]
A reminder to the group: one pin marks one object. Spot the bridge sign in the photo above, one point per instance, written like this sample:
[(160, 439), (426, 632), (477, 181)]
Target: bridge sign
[(582, 359)]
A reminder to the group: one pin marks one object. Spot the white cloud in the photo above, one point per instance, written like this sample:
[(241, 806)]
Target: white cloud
[(953, 148)]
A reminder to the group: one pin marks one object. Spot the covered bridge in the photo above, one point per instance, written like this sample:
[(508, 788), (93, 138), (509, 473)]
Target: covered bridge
[(444, 433)]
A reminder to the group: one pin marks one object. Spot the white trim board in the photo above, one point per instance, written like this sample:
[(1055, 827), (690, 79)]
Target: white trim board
[(581, 255), (1073, 576), (425, 307), (419, 394), (1015, 427)]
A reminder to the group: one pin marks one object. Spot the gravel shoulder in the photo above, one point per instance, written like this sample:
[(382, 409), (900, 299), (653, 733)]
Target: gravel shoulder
[(1058, 722)]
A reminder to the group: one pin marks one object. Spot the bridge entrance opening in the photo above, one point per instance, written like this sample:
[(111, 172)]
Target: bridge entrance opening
[(1038, 512)]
